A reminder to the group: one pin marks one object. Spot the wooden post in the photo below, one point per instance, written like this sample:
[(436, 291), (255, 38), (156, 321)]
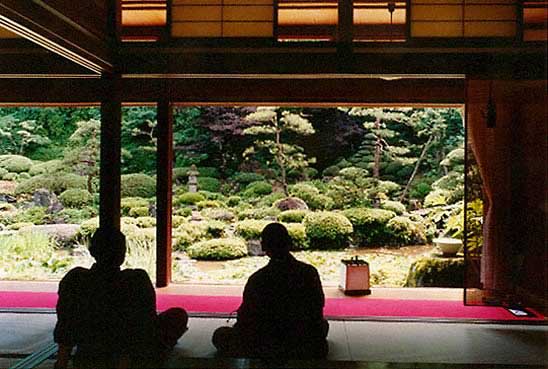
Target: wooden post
[(109, 192), (164, 164)]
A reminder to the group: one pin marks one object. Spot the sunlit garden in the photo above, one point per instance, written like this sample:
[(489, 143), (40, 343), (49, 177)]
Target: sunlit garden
[(380, 183)]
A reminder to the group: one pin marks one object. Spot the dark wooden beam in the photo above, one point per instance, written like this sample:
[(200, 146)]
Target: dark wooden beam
[(109, 191), (59, 27), (164, 166)]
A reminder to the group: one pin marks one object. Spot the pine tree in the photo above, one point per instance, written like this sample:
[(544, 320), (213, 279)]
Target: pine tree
[(273, 127)]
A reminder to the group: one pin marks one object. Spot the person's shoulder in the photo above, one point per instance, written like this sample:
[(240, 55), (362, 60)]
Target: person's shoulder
[(305, 266), (135, 274), (73, 277)]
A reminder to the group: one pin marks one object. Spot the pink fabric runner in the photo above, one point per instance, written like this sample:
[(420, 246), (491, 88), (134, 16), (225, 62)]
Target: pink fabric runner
[(334, 307)]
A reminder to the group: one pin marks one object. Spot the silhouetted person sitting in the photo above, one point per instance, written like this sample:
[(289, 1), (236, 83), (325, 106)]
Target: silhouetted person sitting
[(281, 315), (110, 314)]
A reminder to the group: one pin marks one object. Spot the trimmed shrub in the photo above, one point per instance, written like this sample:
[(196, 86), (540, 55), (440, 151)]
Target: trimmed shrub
[(297, 232), (47, 167), (251, 229), (56, 183), (449, 181), (395, 206), (419, 190), (209, 184), (213, 195), (188, 233), (34, 215), (127, 203), (258, 213), (146, 222), (177, 220), (183, 212), (244, 178), (327, 230), (369, 225), (4, 206), (269, 200), (188, 198), (290, 203), (292, 216), (15, 163), (215, 228), (331, 171), (75, 198), (88, 227), (388, 187), (3, 172), (138, 185), (405, 232), (218, 249), (436, 272), (436, 198), (23, 176), (209, 204), (346, 194), (11, 176), (233, 200), (256, 189), (76, 216), (353, 173), (224, 215), (311, 195), (141, 211)]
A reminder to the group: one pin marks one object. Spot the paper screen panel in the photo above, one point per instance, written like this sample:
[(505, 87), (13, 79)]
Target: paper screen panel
[(535, 19), (307, 20), (374, 21)]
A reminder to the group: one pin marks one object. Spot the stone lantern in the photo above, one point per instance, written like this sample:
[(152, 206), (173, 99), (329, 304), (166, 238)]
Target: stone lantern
[(193, 179)]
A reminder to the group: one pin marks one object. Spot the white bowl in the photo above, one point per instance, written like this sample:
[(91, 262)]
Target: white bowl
[(448, 246)]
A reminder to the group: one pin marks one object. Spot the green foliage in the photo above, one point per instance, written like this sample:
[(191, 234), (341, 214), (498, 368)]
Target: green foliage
[(10, 177), (346, 194), (215, 228), (250, 229), (138, 185), (256, 189), (292, 216), (436, 198), (18, 226), (188, 198), (88, 228), (82, 153), (213, 195), (312, 196), (221, 214), (189, 233), (184, 211), (34, 215), (259, 213), (76, 216), (141, 211), (233, 200), (327, 230), (268, 200), (75, 198), (15, 163), (146, 222), (3, 172), (56, 183), (419, 190), (436, 272), (23, 176), (127, 203), (209, 184), (18, 137), (395, 206), (209, 204), (47, 167), (177, 220), (244, 178), (331, 171), (404, 231), (369, 225), (218, 249), (138, 139), (454, 158), (297, 232)]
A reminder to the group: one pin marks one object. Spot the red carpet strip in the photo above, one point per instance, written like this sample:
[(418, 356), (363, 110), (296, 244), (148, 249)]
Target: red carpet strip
[(352, 307)]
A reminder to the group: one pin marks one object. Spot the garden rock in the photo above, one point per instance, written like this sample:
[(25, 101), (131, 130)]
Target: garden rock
[(44, 198), (254, 248), (291, 203), (8, 198), (64, 234), (436, 272)]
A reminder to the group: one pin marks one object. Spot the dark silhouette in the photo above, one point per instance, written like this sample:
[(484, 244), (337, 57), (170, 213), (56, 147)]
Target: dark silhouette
[(110, 314), (281, 315)]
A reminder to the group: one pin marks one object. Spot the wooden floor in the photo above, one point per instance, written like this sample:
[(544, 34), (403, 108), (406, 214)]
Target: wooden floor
[(236, 290)]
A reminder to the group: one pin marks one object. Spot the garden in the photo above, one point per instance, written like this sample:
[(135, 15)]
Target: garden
[(380, 183)]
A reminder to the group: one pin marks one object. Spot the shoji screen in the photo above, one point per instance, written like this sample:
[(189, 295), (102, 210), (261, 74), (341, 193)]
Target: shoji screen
[(379, 20), (143, 20), (307, 20), (463, 18), (535, 17), (222, 18)]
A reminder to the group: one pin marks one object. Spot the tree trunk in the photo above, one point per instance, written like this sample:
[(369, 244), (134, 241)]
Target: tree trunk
[(378, 148), (417, 164), (280, 153)]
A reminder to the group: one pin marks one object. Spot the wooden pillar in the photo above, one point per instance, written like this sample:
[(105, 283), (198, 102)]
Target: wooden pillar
[(345, 27), (164, 164), (109, 192)]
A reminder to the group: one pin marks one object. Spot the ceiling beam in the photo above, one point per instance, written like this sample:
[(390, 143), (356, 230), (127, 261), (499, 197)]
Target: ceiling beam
[(52, 26)]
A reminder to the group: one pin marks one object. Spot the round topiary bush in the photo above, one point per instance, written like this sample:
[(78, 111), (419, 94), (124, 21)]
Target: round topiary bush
[(224, 215), (259, 213), (406, 232), (395, 206), (188, 198), (292, 216), (251, 229), (76, 216), (258, 188), (436, 198), (218, 249), (75, 198), (11, 176), (327, 230), (88, 227), (269, 200), (370, 226), (209, 184), (127, 203), (138, 185), (146, 222), (243, 178), (297, 232), (233, 200), (137, 212), (56, 183), (205, 204), (3, 172), (15, 163), (47, 167), (215, 228), (23, 176), (311, 195), (436, 272)]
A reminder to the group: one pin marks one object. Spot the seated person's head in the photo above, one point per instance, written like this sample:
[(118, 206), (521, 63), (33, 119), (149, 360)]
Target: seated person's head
[(275, 240), (108, 247)]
